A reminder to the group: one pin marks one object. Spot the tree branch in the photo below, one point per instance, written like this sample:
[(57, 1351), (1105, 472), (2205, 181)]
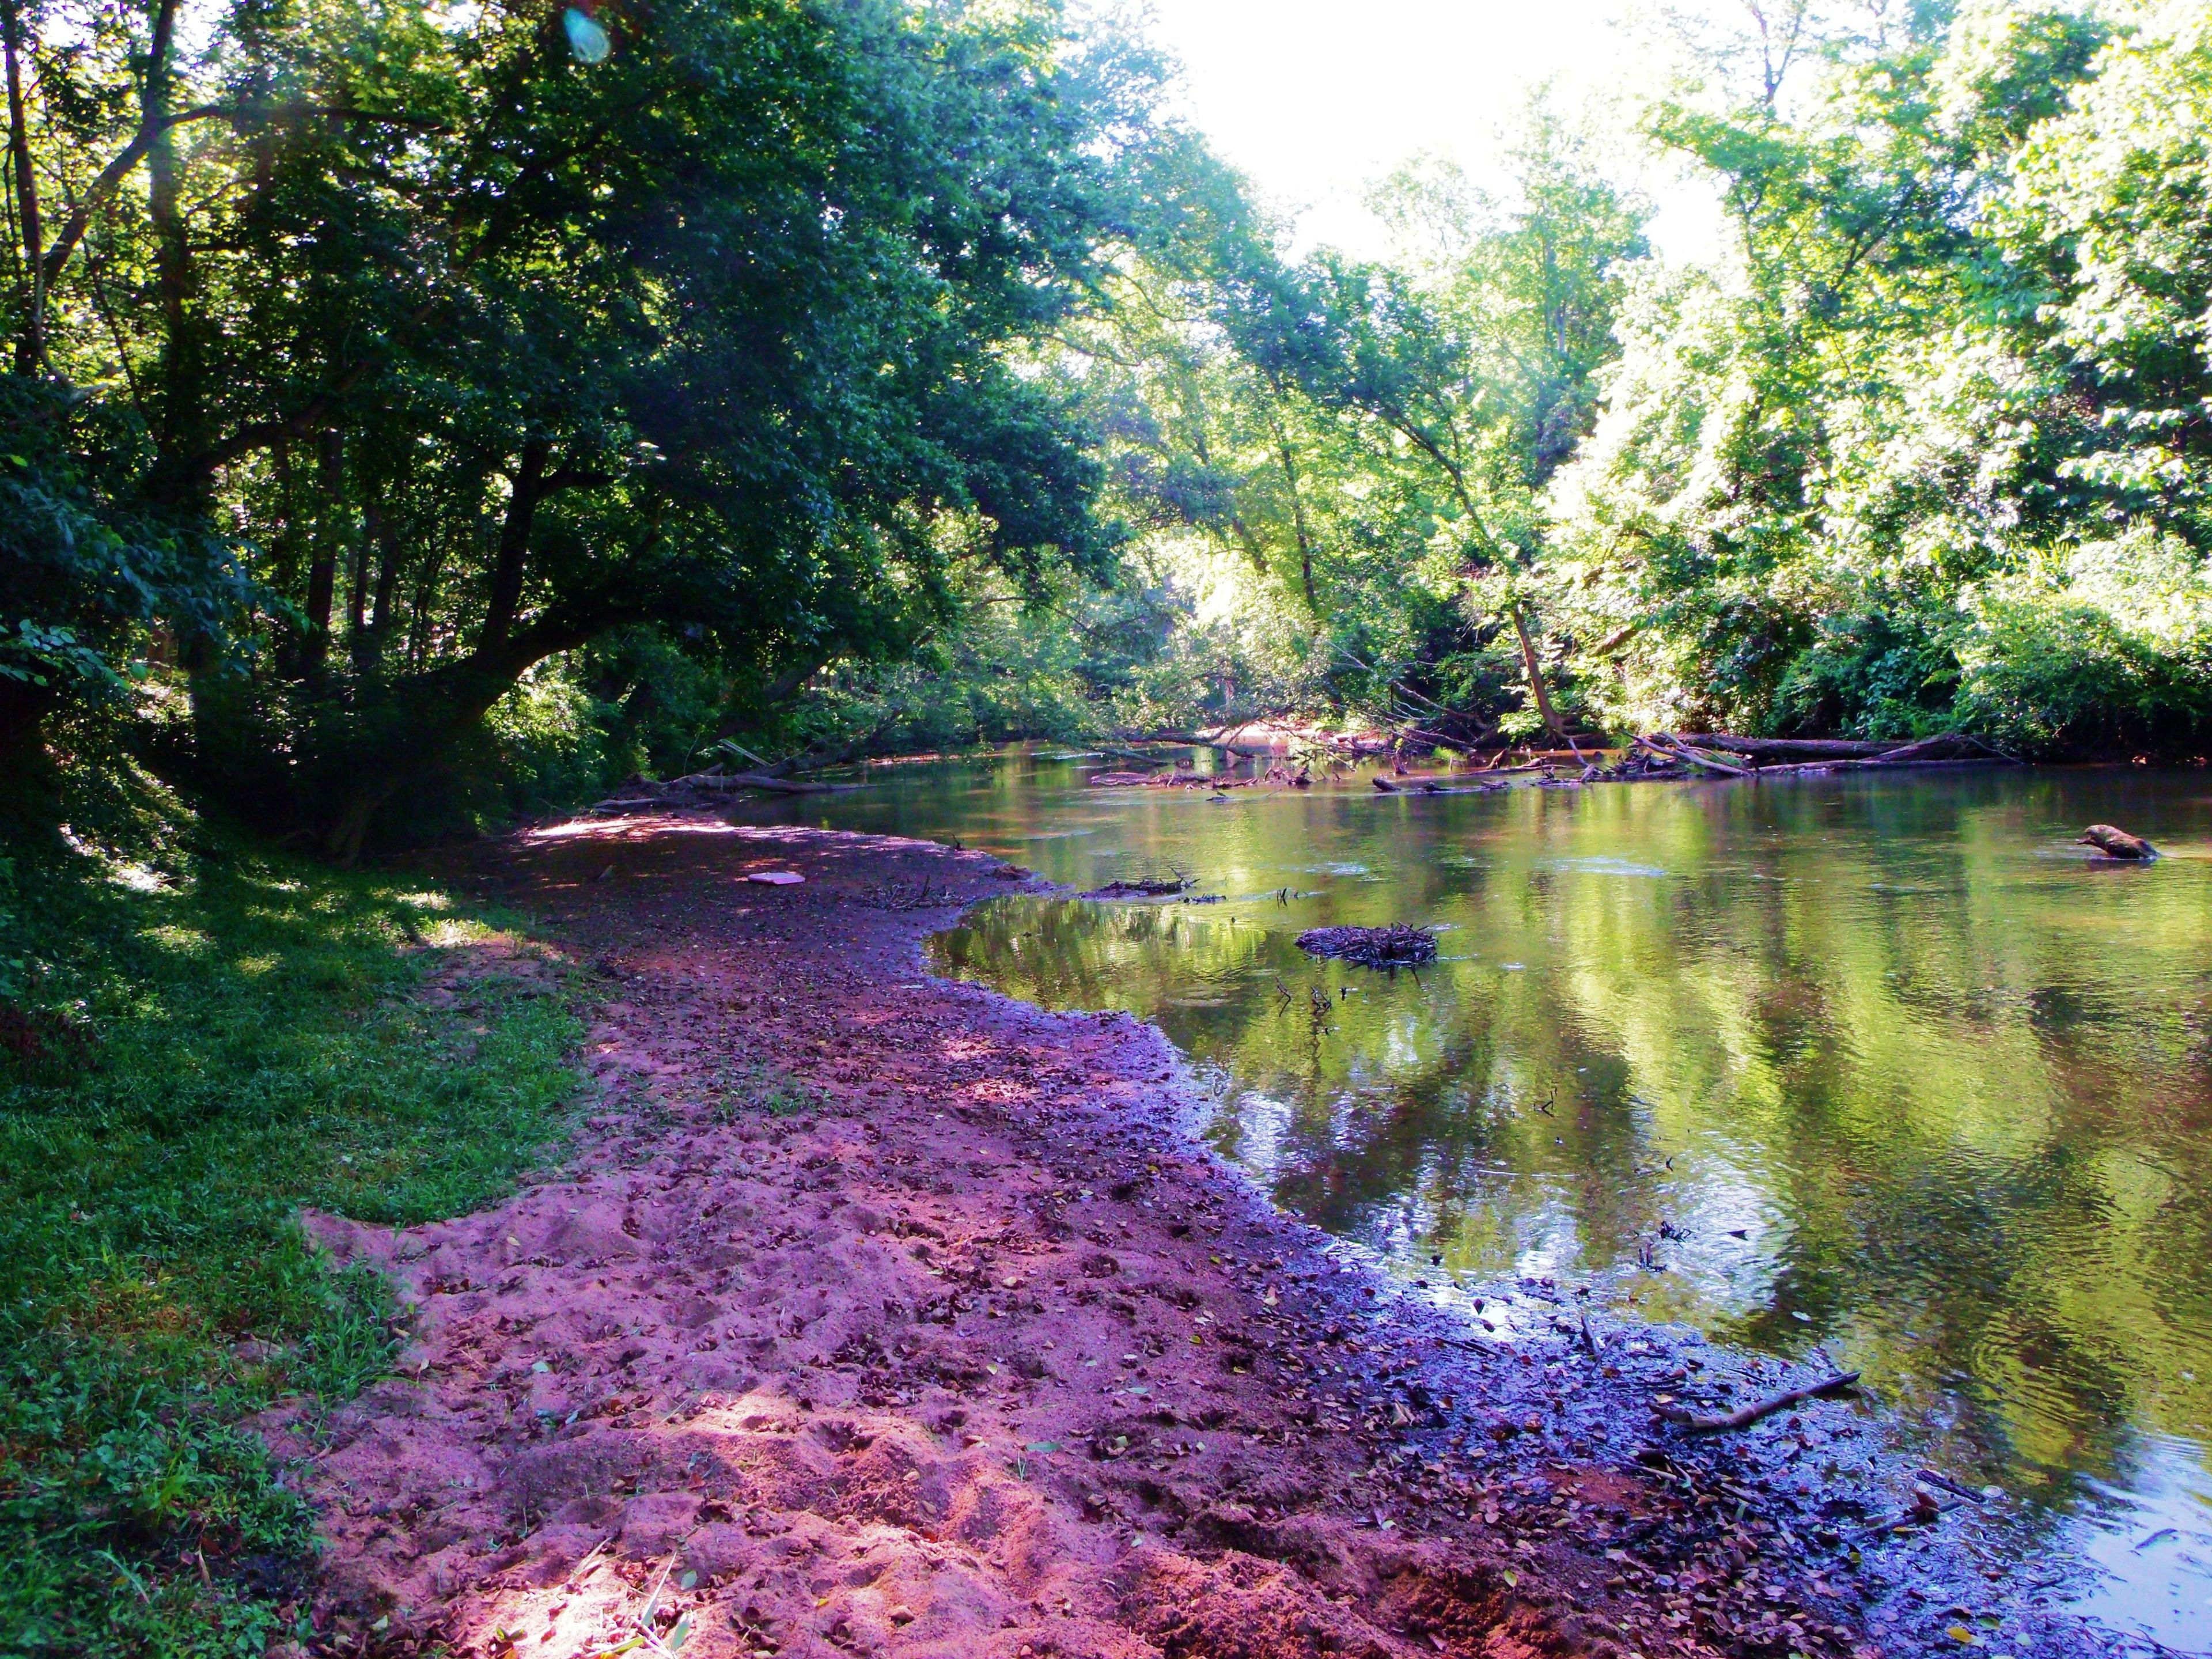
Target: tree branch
[(127, 159)]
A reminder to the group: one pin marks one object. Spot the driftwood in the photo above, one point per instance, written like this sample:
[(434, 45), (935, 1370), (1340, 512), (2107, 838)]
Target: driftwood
[(1396, 947), (639, 796), (1669, 747), (1921, 752), (1142, 889), (1945, 748), (1787, 748), (1177, 779), (1925, 748), (2115, 843), (1432, 786), (1743, 1419), (716, 783)]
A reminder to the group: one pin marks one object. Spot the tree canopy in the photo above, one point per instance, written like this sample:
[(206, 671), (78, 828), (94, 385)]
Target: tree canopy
[(373, 357), (744, 365)]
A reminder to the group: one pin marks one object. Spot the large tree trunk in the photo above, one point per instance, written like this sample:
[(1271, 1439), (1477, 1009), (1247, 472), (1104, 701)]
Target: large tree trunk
[(23, 711), (408, 731)]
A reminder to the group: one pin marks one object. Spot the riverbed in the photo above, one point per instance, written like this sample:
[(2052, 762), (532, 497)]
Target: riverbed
[(1884, 1069)]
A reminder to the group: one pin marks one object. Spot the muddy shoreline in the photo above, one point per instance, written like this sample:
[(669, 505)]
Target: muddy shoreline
[(876, 1314)]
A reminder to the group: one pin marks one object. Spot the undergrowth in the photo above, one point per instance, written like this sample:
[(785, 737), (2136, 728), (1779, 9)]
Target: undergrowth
[(202, 1036)]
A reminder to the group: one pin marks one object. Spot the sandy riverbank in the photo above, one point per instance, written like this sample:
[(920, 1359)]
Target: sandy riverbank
[(965, 1351)]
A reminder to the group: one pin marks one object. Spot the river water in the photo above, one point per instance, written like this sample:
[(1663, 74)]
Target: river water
[(1884, 1066)]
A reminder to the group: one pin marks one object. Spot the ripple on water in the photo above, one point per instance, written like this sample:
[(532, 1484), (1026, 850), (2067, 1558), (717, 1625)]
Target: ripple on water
[(2149, 1542), (1604, 865)]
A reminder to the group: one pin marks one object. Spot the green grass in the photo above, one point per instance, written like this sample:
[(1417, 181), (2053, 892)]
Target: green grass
[(200, 1037)]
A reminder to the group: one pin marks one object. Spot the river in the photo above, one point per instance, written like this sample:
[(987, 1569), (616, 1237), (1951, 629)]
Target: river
[(1882, 1066)]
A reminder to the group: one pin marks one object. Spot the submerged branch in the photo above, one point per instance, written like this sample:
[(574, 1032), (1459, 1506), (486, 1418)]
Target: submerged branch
[(1748, 1415)]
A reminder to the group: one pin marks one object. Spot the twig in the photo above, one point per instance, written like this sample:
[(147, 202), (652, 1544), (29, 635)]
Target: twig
[(1936, 1478), (1746, 1416)]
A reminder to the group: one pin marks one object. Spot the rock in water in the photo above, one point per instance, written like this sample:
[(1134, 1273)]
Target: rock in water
[(1396, 946), (2115, 843)]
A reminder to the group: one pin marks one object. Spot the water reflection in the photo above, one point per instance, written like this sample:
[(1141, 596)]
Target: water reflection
[(1877, 1065)]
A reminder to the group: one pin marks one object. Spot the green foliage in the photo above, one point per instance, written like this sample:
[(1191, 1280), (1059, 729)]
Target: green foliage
[(1372, 442), (483, 347), (761, 1087), (85, 570), (1070, 663), (1928, 449), (254, 1045), (2114, 643)]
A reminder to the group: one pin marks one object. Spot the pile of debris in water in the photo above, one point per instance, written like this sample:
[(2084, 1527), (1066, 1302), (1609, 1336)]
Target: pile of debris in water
[(1396, 946), (1149, 887)]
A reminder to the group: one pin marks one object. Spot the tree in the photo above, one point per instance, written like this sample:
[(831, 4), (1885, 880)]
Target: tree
[(481, 345), (1443, 394), (1847, 479)]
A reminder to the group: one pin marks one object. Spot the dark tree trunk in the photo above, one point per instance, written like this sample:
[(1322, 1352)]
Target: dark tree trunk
[(529, 483), (413, 727), (183, 415), (31, 341), (23, 710), (329, 537)]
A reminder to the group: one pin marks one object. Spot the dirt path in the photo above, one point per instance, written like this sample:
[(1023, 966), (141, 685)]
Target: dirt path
[(958, 1349)]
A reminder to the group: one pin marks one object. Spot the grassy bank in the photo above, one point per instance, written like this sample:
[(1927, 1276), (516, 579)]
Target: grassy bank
[(199, 1035)]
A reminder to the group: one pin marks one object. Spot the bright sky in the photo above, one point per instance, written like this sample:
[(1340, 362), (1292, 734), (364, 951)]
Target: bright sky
[(1313, 100)]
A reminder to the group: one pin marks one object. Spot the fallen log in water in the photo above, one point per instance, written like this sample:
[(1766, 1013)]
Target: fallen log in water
[(1148, 889), (2115, 843), (1945, 748), (639, 796), (1802, 749), (715, 783), (1942, 745), (1398, 946), (1432, 786), (1670, 747)]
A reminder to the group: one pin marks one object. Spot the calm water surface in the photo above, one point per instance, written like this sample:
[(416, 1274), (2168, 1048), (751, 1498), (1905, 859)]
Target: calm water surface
[(1883, 1067)]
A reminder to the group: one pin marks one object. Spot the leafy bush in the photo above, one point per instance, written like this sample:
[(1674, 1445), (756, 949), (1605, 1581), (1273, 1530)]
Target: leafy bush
[(2111, 649)]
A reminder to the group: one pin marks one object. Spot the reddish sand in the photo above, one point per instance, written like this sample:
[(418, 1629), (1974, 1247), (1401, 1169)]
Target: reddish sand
[(975, 1355)]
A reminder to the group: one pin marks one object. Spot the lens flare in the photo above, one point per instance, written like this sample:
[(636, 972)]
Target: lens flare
[(585, 37)]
